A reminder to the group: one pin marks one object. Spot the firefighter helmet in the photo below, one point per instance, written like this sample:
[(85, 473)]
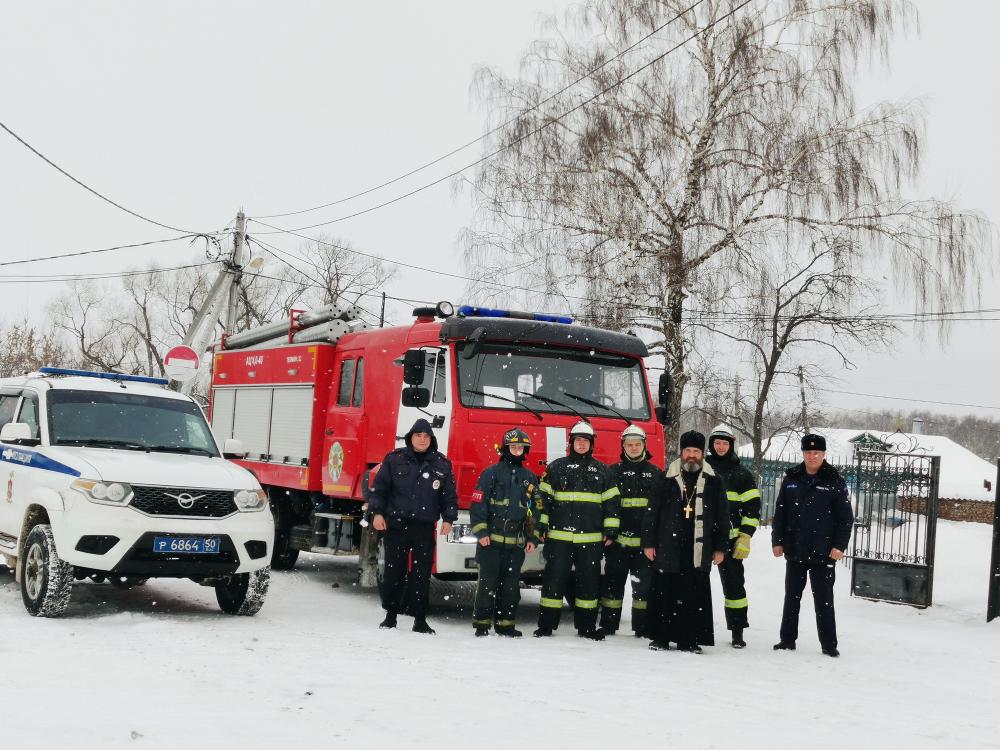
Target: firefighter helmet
[(722, 431), (583, 429), (517, 437), (633, 431)]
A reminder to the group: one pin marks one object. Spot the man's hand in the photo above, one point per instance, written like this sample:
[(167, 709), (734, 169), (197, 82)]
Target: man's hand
[(836, 554), (484, 541), (608, 541), (378, 522), (778, 551), (650, 553), (718, 557), (529, 547), (446, 528)]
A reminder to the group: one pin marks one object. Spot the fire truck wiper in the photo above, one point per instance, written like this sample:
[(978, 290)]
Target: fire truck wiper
[(598, 404), (504, 398), (547, 400)]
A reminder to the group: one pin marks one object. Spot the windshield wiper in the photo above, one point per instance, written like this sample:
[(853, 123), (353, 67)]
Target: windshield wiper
[(598, 404), (504, 398), (178, 449), (101, 443), (547, 400)]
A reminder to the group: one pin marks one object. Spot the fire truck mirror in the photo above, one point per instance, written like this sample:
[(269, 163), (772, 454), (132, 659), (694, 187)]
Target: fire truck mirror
[(472, 343), (413, 367), (416, 397), (665, 387), (663, 414)]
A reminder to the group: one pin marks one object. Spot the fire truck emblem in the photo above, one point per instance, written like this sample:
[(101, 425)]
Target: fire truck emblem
[(336, 463)]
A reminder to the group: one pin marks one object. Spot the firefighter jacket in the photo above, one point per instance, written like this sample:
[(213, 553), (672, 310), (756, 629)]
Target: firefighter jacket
[(665, 523), (413, 486), (502, 504), (812, 514), (637, 481), (577, 501), (741, 491)]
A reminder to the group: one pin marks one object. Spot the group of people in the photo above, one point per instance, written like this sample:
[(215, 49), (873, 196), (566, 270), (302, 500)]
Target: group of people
[(605, 525)]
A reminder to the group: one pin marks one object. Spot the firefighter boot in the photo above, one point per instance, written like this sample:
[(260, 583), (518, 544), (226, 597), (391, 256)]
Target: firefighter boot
[(542, 633), (596, 634), (482, 630), (509, 631), (738, 641), (421, 626)]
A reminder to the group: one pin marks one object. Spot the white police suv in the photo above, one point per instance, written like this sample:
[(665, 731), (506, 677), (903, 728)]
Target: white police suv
[(116, 478)]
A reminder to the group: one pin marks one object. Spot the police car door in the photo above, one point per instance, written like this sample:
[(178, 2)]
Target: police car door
[(437, 410), (8, 531)]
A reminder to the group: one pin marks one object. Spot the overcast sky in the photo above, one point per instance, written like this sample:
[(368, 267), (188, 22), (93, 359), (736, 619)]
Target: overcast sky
[(185, 111)]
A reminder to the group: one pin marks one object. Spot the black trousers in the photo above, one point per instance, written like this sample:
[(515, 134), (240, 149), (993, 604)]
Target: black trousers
[(582, 562), (821, 576), (735, 592), (409, 555), (619, 563), (681, 610), (499, 588)]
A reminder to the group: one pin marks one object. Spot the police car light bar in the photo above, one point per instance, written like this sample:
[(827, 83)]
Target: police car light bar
[(103, 375), (468, 311)]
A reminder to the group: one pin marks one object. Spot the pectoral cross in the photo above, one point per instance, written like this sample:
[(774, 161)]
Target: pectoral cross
[(688, 510)]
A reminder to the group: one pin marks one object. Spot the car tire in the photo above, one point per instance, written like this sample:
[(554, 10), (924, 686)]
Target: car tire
[(46, 581), (284, 556), (243, 593)]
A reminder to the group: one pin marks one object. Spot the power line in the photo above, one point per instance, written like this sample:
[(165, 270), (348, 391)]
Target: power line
[(519, 139), (60, 278), (209, 238), (87, 187), (498, 128)]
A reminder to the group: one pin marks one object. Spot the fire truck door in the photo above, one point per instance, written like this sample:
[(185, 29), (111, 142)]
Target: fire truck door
[(345, 428), (438, 410)]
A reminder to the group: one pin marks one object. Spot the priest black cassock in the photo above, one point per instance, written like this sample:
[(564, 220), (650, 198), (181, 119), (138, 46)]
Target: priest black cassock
[(685, 531)]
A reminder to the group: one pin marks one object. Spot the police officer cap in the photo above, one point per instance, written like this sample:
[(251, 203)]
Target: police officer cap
[(693, 439), (813, 443)]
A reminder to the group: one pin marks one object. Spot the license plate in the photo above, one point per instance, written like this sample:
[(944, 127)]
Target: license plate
[(190, 545)]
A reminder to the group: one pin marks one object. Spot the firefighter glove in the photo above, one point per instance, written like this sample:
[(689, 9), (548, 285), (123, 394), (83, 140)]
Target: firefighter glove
[(742, 549)]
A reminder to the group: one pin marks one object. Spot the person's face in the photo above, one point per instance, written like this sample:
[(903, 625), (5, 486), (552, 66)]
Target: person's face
[(581, 445), (813, 460), (421, 441), (634, 447), (516, 450), (691, 458), (720, 447)]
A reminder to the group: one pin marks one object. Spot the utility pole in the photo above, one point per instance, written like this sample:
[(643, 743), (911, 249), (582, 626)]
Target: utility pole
[(235, 269), (802, 393), (381, 316)]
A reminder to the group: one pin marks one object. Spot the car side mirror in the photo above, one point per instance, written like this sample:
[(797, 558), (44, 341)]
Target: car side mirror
[(233, 448), (18, 433), (666, 387), (413, 367), (415, 397)]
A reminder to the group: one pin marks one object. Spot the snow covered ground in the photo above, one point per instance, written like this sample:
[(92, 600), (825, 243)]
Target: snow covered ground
[(160, 667)]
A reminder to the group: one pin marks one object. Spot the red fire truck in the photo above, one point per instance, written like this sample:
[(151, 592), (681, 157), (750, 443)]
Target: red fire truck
[(319, 402)]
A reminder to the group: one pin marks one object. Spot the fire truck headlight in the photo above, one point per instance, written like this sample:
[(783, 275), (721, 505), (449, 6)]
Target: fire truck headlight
[(106, 493), (445, 309), (249, 500)]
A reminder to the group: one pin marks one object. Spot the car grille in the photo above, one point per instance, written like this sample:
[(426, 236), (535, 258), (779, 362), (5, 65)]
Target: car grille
[(156, 501)]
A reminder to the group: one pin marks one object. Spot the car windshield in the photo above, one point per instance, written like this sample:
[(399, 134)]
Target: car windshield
[(128, 421), (547, 379)]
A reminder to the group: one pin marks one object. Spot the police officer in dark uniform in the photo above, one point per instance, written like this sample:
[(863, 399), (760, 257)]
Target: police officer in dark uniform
[(413, 488), (637, 479), (579, 514), (744, 514), (503, 521), (811, 528)]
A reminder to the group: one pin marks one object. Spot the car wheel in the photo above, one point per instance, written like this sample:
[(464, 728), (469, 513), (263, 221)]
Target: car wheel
[(46, 581), (243, 593)]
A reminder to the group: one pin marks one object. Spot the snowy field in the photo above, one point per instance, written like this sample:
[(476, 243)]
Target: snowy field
[(160, 667)]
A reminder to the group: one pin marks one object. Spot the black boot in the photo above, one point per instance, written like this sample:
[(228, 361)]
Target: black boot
[(831, 651), (509, 631), (738, 641), (594, 635), (691, 649), (482, 630), (543, 633), (659, 646), (389, 621), (784, 646), (421, 626)]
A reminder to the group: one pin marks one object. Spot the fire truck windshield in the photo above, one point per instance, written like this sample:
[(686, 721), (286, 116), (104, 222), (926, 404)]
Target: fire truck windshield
[(548, 379)]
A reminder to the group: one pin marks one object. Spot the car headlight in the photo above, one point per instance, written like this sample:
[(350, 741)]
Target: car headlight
[(251, 499), (106, 493)]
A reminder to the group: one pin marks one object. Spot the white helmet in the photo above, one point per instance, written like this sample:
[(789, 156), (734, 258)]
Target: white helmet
[(583, 429), (633, 431), (722, 431)]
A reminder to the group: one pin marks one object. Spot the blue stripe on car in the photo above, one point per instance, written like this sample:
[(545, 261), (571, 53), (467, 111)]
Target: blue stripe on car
[(20, 457)]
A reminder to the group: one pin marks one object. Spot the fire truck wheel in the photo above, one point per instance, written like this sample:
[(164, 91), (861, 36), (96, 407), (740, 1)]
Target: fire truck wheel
[(243, 593), (453, 594), (46, 581)]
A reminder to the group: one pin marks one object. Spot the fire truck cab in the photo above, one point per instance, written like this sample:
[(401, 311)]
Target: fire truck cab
[(316, 417)]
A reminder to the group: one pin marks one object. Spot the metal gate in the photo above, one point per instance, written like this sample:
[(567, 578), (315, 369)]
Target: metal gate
[(895, 521)]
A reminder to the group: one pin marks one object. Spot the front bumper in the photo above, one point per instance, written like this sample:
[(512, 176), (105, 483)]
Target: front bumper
[(456, 557)]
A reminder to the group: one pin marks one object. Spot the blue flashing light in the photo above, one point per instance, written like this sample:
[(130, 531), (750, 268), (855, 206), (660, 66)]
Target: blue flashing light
[(469, 311), (103, 375)]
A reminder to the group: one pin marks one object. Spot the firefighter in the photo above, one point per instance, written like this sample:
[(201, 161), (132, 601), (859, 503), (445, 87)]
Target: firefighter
[(578, 509), (503, 522), (413, 488), (637, 479), (744, 514)]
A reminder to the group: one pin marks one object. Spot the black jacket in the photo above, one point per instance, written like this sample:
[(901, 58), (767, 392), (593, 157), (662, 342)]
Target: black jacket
[(637, 482), (413, 486), (502, 504), (741, 491), (661, 527), (812, 514), (578, 500)]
